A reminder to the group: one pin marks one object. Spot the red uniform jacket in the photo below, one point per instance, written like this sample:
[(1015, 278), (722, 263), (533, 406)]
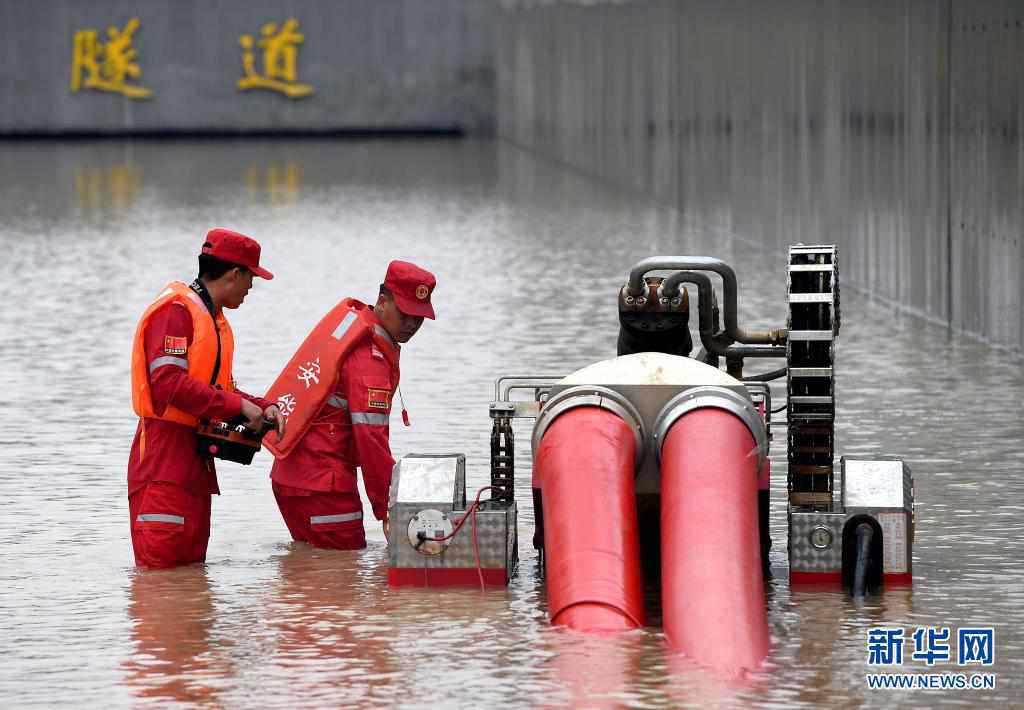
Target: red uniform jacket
[(166, 451), (351, 429)]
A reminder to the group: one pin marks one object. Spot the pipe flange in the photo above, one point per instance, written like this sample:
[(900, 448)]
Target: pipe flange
[(591, 396), (719, 398)]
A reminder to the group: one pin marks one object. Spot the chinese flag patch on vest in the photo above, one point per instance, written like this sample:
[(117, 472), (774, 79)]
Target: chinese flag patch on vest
[(378, 399), (175, 345)]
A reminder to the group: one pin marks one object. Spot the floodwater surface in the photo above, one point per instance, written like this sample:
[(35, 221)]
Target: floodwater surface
[(529, 257)]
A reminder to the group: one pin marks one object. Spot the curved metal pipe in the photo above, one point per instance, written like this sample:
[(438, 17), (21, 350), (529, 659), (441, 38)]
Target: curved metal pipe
[(705, 305), (671, 284), (636, 285), (522, 380), (716, 343)]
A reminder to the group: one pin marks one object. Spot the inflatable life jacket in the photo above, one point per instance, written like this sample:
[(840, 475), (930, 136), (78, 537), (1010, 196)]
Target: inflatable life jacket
[(310, 376), (201, 358)]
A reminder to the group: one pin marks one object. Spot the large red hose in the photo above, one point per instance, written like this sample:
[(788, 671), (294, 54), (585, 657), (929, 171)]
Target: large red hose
[(586, 464), (712, 591)]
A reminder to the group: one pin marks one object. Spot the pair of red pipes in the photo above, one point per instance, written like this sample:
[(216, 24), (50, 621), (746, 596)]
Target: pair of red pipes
[(713, 604)]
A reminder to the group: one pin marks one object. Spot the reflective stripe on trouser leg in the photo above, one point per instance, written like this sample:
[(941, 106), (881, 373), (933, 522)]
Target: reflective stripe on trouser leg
[(170, 524), (328, 520), (160, 518), (339, 518)]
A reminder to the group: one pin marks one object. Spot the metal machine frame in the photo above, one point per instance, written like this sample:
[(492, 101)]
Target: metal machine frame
[(808, 345), (859, 533)]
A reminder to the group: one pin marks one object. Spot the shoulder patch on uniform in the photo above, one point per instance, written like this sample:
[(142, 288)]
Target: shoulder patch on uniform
[(378, 399), (175, 345)]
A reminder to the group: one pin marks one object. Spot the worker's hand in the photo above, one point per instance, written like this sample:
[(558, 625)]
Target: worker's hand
[(387, 526), (273, 414), (253, 414)]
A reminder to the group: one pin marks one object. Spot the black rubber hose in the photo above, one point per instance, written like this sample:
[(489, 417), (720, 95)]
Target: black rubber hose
[(767, 376), (864, 534)]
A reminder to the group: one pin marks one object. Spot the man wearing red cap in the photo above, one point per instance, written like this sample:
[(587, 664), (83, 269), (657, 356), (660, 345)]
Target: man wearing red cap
[(341, 423), (181, 375)]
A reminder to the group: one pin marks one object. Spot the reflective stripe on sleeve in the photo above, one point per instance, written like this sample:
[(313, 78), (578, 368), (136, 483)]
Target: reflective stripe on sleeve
[(336, 401), (168, 360), (368, 418), (340, 518), (160, 518), (343, 327)]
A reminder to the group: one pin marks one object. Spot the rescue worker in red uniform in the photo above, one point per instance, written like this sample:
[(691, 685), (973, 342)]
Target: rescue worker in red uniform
[(181, 375), (314, 476)]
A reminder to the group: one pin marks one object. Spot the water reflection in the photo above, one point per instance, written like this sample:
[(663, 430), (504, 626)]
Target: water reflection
[(172, 615), (596, 671), (687, 685), (320, 628), (113, 188), (276, 183), (284, 624)]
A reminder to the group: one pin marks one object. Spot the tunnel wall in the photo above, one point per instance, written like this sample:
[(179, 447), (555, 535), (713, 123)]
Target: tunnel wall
[(403, 65), (889, 127)]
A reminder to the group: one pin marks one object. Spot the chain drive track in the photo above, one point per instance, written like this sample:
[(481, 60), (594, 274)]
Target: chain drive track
[(813, 323)]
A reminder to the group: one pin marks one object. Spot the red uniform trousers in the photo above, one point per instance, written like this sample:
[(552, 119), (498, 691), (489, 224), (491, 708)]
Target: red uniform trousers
[(170, 525), (331, 520)]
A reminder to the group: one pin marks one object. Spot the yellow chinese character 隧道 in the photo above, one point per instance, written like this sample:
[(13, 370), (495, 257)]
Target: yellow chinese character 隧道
[(280, 60), (107, 66)]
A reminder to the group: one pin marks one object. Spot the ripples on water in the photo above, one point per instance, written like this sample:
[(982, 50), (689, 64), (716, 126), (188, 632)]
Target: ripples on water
[(529, 257)]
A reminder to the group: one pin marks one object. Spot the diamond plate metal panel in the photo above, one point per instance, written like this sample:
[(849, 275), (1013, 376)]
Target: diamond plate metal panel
[(496, 539), (805, 557)]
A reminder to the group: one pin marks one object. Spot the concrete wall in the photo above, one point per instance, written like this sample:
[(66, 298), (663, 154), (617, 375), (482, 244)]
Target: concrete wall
[(374, 64), (890, 127)]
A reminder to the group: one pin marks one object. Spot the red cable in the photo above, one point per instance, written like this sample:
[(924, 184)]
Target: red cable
[(476, 555), (458, 526)]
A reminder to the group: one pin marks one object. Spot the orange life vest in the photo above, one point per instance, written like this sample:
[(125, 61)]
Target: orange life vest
[(310, 376), (201, 356)]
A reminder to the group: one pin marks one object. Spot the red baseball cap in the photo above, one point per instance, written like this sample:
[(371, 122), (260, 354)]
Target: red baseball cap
[(235, 248), (411, 286)]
